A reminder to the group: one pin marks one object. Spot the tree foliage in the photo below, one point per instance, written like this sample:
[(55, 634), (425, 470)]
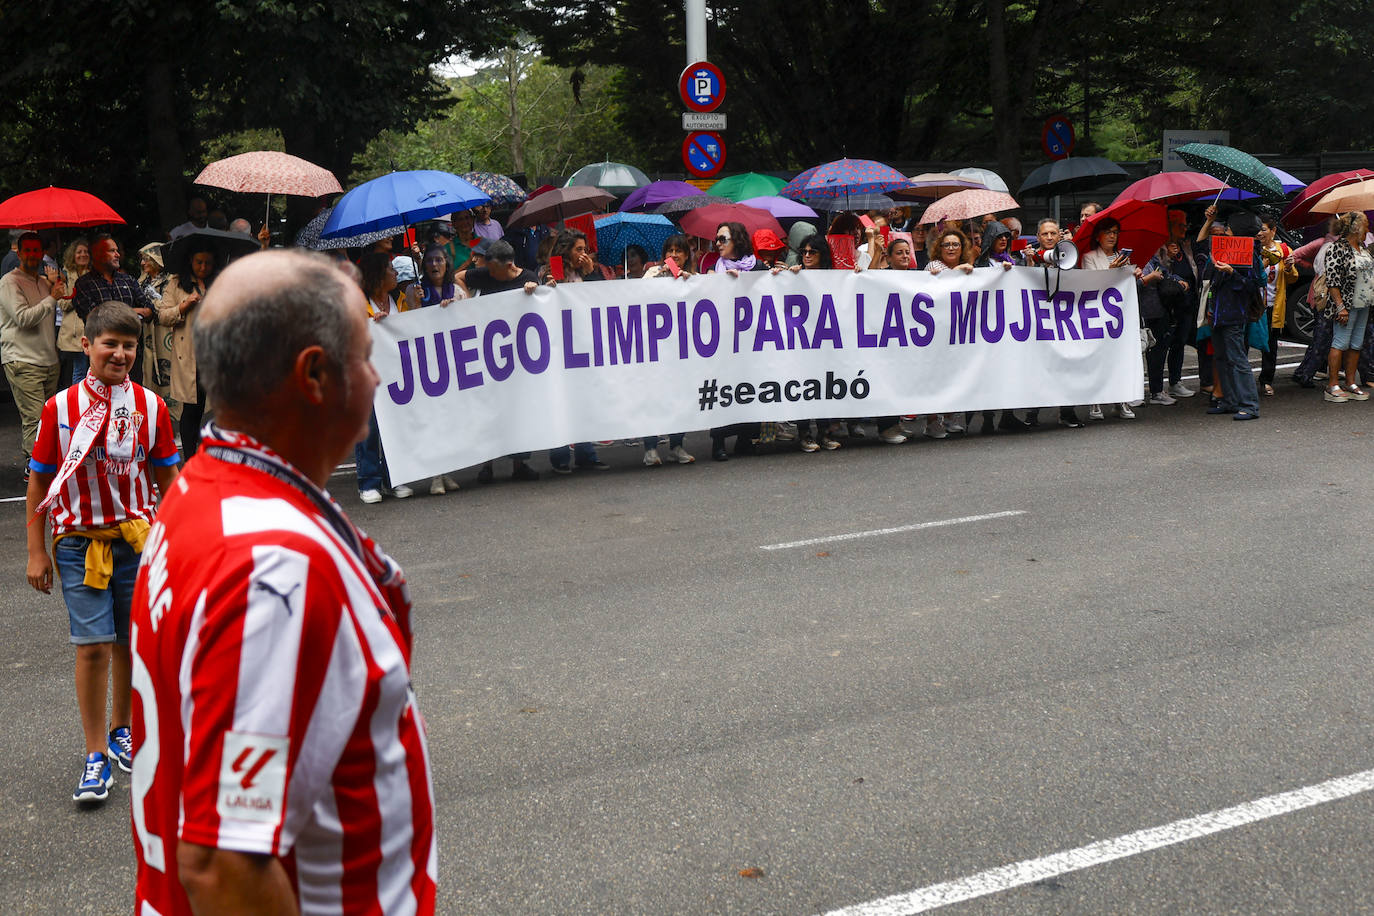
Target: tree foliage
[(518, 116), (974, 79), (120, 99)]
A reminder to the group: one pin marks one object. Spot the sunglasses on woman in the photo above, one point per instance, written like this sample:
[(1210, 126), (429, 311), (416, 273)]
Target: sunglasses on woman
[(722, 239)]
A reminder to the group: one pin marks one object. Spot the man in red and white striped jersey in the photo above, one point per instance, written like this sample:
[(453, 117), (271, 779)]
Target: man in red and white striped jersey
[(279, 756)]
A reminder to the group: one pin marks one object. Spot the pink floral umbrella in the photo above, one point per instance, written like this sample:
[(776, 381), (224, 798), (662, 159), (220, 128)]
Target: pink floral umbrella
[(967, 205), (269, 172)]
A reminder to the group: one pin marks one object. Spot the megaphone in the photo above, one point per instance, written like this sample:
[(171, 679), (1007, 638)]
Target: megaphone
[(1063, 255)]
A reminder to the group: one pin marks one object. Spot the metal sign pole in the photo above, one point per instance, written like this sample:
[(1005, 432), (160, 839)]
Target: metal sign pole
[(696, 30)]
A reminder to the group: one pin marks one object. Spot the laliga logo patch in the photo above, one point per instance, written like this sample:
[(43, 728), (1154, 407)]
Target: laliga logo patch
[(126, 422), (252, 777)]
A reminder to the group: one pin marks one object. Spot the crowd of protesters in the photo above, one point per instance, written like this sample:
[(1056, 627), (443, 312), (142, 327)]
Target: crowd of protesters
[(1186, 300)]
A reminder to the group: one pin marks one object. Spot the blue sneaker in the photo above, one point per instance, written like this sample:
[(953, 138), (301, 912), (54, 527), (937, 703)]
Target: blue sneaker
[(120, 748), (96, 780)]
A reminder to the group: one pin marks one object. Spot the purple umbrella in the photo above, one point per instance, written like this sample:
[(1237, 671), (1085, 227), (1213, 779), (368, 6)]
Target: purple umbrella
[(658, 192), (1290, 184), (781, 207)]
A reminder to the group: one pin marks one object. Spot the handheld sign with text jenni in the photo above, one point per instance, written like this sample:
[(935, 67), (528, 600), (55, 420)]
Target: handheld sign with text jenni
[(1238, 250)]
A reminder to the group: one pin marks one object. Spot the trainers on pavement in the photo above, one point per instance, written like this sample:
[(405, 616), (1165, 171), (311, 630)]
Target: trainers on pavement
[(808, 444), (651, 459), (829, 444), (561, 469), (597, 465), (893, 435), (1180, 390), (856, 431), (450, 485), (96, 780), (680, 455), (370, 496), (1124, 411), (1095, 412), (436, 487), (120, 744), (1163, 398), (402, 492), (935, 428)]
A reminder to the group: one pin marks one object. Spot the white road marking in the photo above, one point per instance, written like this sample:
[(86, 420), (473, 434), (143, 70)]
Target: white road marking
[(13, 499), (995, 880), (854, 535), (1254, 369)]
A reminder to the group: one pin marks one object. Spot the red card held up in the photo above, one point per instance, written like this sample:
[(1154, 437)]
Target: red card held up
[(556, 267), (841, 251)]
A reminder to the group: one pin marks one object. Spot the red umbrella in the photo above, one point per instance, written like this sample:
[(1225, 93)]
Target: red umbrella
[(1144, 228), (269, 172), (967, 205), (1172, 188), (1299, 212), (703, 221), (51, 208)]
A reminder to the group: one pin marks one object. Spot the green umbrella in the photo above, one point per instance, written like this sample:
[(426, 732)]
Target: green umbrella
[(747, 185), (1236, 168)]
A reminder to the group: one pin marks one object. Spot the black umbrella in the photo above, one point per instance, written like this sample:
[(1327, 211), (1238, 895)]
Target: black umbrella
[(1076, 173), (226, 245), (675, 208)]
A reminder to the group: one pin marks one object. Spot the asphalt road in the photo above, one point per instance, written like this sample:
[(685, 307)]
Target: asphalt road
[(630, 702)]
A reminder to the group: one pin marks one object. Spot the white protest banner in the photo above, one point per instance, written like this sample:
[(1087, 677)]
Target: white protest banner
[(517, 372)]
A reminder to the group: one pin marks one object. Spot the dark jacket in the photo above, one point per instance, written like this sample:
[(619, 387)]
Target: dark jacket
[(990, 235), (1233, 292)]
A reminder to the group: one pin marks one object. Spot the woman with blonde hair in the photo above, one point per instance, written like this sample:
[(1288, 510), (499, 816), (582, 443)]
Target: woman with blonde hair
[(76, 263)]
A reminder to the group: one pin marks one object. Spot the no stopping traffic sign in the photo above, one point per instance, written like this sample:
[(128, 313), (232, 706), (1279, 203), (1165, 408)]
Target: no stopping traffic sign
[(703, 152)]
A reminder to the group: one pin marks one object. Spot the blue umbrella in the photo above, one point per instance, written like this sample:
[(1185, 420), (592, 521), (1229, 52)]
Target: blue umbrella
[(844, 177), (400, 199), (647, 230)]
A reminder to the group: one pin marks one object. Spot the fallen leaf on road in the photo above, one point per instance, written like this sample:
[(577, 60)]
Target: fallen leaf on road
[(751, 873), (823, 553), (530, 709)]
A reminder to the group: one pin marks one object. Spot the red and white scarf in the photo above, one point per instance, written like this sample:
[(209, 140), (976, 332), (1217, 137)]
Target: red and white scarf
[(114, 403)]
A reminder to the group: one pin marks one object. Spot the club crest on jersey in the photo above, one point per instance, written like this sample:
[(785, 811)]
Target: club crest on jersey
[(125, 423)]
